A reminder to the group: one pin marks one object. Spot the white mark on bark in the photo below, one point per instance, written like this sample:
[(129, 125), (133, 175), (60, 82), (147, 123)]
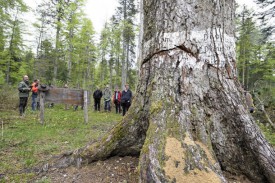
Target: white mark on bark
[(204, 41)]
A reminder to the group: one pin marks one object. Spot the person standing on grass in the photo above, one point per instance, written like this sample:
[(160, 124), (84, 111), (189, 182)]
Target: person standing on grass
[(126, 99), (34, 94), (107, 94), (97, 97), (116, 99), (24, 89)]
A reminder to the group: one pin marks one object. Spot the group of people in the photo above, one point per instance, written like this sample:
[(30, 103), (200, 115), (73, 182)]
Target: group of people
[(120, 99), (25, 89)]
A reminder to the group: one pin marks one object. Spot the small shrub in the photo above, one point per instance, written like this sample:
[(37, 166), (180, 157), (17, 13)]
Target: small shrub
[(8, 98)]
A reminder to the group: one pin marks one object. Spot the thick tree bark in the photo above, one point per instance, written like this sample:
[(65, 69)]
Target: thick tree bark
[(188, 122)]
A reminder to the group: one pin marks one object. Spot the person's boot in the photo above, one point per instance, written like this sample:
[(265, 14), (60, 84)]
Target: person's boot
[(24, 109), (20, 110)]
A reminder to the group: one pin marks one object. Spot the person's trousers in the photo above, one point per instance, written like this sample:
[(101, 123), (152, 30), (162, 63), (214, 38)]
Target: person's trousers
[(125, 107), (107, 106), (22, 104), (34, 102), (117, 107), (97, 104)]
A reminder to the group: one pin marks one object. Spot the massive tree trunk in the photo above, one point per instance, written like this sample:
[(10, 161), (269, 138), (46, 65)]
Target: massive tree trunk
[(187, 122)]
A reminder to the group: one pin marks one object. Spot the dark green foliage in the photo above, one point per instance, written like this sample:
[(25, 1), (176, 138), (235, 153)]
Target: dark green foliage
[(66, 51), (11, 46), (256, 64)]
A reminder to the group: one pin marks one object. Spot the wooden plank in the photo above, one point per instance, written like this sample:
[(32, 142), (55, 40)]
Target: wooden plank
[(65, 96)]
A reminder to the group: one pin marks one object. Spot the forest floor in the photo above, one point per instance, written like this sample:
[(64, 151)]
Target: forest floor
[(25, 143), (115, 169)]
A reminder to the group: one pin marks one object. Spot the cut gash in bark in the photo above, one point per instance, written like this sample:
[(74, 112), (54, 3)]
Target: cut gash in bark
[(188, 122)]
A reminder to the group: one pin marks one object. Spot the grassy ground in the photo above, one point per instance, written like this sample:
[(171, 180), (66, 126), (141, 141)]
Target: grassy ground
[(266, 128), (269, 133), (25, 142)]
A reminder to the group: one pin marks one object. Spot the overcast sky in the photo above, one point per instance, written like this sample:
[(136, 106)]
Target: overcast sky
[(99, 11)]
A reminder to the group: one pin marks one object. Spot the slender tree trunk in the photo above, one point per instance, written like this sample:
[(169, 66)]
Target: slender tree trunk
[(57, 42), (70, 59), (127, 61), (111, 71), (36, 74), (244, 68), (247, 71), (56, 58), (11, 48), (117, 69), (124, 51), (123, 66), (187, 122), (103, 67), (89, 64)]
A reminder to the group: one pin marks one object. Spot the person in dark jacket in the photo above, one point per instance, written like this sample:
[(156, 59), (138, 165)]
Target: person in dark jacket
[(97, 97), (24, 89), (126, 99), (116, 99)]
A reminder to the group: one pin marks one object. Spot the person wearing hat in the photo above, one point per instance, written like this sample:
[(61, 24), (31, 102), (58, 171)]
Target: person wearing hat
[(24, 89), (126, 99), (43, 87), (107, 94)]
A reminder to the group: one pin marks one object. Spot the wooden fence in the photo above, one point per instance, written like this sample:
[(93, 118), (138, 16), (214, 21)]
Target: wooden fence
[(64, 96)]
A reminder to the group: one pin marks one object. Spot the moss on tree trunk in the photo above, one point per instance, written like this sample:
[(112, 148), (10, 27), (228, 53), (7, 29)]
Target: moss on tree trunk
[(187, 122)]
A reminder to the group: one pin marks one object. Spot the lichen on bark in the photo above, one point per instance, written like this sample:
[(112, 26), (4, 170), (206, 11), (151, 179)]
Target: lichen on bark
[(188, 121)]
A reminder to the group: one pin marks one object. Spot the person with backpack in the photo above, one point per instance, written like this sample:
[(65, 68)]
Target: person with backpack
[(24, 89), (97, 97), (116, 99), (34, 90), (126, 99), (107, 95)]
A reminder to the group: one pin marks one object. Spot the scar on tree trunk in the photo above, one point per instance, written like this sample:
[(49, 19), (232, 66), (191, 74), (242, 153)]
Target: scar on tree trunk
[(188, 121)]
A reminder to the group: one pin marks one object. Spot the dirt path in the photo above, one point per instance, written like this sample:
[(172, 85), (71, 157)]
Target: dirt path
[(115, 169)]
